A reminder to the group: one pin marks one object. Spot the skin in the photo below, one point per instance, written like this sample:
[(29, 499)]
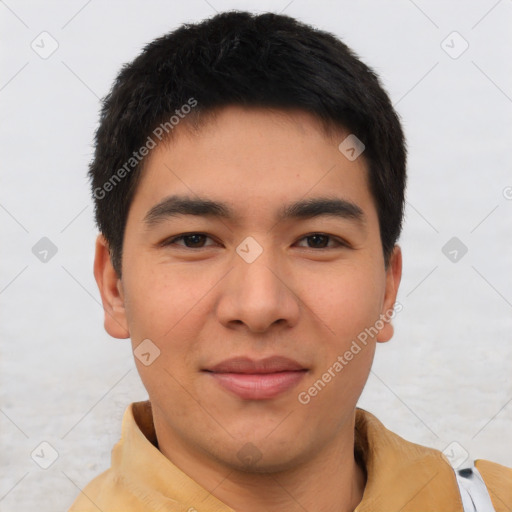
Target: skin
[(298, 299)]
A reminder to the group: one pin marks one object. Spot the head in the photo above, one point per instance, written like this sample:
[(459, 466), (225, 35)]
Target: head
[(237, 221)]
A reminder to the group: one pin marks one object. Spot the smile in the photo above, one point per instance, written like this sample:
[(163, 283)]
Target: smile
[(257, 380)]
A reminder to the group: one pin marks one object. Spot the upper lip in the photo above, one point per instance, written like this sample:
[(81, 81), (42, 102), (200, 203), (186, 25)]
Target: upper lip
[(247, 365)]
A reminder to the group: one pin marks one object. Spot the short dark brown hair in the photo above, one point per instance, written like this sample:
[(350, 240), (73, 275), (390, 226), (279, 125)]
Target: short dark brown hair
[(239, 58)]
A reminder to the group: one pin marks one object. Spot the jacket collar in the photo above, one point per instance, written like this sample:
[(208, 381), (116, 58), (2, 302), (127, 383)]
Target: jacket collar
[(401, 476)]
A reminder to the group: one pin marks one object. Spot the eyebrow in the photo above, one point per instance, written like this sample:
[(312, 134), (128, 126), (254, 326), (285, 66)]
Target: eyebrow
[(176, 205)]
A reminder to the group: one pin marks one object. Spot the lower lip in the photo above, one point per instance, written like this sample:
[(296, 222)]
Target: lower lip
[(258, 386)]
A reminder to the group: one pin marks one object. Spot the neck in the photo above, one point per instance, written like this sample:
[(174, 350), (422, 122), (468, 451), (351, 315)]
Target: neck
[(331, 487), (330, 481)]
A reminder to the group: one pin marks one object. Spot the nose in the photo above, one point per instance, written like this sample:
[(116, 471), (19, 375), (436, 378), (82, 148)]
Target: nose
[(258, 296)]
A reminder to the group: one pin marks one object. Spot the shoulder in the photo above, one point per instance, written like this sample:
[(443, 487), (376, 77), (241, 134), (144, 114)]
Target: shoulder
[(407, 476), (498, 480), (85, 502), (112, 492)]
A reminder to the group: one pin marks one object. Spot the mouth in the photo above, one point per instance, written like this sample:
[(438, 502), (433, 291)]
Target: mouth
[(257, 379)]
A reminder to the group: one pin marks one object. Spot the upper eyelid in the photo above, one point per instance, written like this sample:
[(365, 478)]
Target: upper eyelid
[(172, 239)]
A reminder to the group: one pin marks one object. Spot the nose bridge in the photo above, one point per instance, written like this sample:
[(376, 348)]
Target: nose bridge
[(256, 293), (259, 278)]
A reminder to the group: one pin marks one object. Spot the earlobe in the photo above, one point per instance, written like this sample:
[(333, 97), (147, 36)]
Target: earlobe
[(393, 277), (111, 291)]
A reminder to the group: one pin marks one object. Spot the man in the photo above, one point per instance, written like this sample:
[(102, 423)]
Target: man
[(249, 183)]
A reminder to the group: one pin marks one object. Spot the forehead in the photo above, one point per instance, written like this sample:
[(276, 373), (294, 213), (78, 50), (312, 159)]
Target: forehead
[(254, 158)]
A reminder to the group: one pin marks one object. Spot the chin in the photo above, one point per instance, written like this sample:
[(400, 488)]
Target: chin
[(260, 457)]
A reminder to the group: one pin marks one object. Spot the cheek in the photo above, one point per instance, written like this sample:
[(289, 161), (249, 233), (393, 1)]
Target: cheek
[(166, 307), (163, 300), (346, 301), (347, 307), (170, 308)]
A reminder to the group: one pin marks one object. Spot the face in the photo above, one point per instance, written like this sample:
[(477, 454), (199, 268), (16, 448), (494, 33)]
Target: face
[(253, 263)]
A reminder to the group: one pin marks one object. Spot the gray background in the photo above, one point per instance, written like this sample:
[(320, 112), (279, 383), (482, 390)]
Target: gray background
[(445, 377)]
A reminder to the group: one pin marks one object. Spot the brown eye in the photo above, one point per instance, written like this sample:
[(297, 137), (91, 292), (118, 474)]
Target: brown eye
[(189, 241), (321, 241), (317, 241), (195, 240)]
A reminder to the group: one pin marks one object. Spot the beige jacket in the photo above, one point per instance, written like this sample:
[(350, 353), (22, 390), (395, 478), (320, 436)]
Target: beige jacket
[(401, 476)]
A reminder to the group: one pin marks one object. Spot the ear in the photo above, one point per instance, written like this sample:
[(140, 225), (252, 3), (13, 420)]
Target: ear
[(393, 276), (111, 291)]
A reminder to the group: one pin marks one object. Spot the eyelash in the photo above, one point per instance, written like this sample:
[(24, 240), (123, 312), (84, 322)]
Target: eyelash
[(173, 240)]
